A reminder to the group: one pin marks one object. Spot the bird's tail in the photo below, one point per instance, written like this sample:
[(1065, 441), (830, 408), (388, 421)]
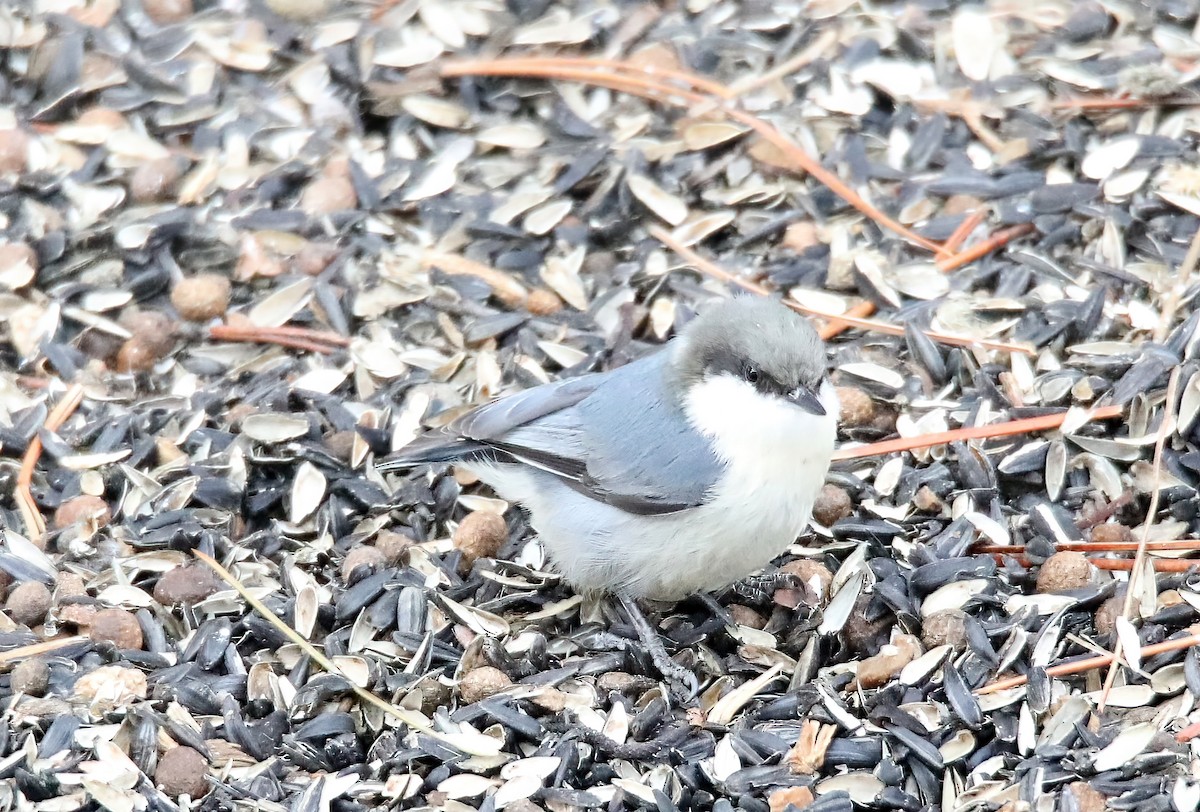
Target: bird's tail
[(431, 448)]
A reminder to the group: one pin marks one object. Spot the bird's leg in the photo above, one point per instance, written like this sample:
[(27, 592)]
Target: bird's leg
[(676, 674)]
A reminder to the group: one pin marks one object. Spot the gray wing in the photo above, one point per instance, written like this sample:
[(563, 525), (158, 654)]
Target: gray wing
[(581, 431)]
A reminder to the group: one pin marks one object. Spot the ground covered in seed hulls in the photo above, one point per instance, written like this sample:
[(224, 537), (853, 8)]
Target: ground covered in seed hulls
[(248, 249)]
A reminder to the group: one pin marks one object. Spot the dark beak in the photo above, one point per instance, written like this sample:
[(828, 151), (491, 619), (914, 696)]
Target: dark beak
[(807, 400)]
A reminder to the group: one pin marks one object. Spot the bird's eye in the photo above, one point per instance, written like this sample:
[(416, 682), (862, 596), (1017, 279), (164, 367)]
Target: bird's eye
[(752, 374)]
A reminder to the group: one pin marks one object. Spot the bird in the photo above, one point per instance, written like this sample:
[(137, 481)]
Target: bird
[(678, 473)]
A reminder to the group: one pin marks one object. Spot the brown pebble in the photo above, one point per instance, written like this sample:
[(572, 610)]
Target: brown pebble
[(789, 797), (118, 627), (926, 501), (362, 556), (393, 545), (1111, 534), (1106, 616), (136, 355), (1087, 798), (5, 582), (621, 682), (862, 635), (481, 683), (945, 628), (166, 12), (884, 421), (960, 204), (1063, 572), (330, 191), (550, 699), (801, 236), (18, 265), (186, 585), (155, 330), (745, 616), (202, 297), (14, 150), (881, 668), (28, 603), (83, 508), (816, 578), (340, 444), (182, 771), (480, 535), (832, 504), (315, 257), (78, 613), (154, 180), (100, 345), (30, 677), (857, 407), (542, 302)]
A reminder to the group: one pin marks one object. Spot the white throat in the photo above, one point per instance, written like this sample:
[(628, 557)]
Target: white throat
[(777, 454)]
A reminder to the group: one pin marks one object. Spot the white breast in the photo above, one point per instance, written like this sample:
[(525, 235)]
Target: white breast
[(777, 456)]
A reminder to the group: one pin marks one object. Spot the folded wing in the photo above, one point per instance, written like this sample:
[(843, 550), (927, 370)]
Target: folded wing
[(619, 437)]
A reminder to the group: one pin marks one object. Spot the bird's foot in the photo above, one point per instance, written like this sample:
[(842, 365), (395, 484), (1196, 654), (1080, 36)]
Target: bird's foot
[(682, 682), (761, 588)]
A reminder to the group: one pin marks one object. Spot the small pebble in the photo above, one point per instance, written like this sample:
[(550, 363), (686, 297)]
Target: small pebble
[(154, 180), (166, 12), (18, 265), (480, 535), (91, 509), (202, 297), (182, 771), (330, 191), (881, 668), (945, 628), (621, 682), (481, 683), (801, 236), (1087, 798), (369, 559), (789, 797), (1106, 616), (393, 545), (28, 603), (186, 585), (14, 150), (315, 257), (154, 330), (816, 577), (1111, 534), (30, 677), (745, 616), (832, 504), (69, 585), (118, 627), (542, 302), (80, 614), (862, 635), (137, 355), (1063, 572), (926, 501), (857, 407), (340, 444)]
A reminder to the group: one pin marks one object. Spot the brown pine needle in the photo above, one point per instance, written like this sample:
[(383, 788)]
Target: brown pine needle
[(1088, 663), (1025, 425), (643, 83), (971, 222), (835, 328), (299, 338), (478, 745), (35, 525), (1177, 546), (714, 270), (982, 249)]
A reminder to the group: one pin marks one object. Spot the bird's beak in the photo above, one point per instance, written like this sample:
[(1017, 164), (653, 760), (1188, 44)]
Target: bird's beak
[(807, 400)]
